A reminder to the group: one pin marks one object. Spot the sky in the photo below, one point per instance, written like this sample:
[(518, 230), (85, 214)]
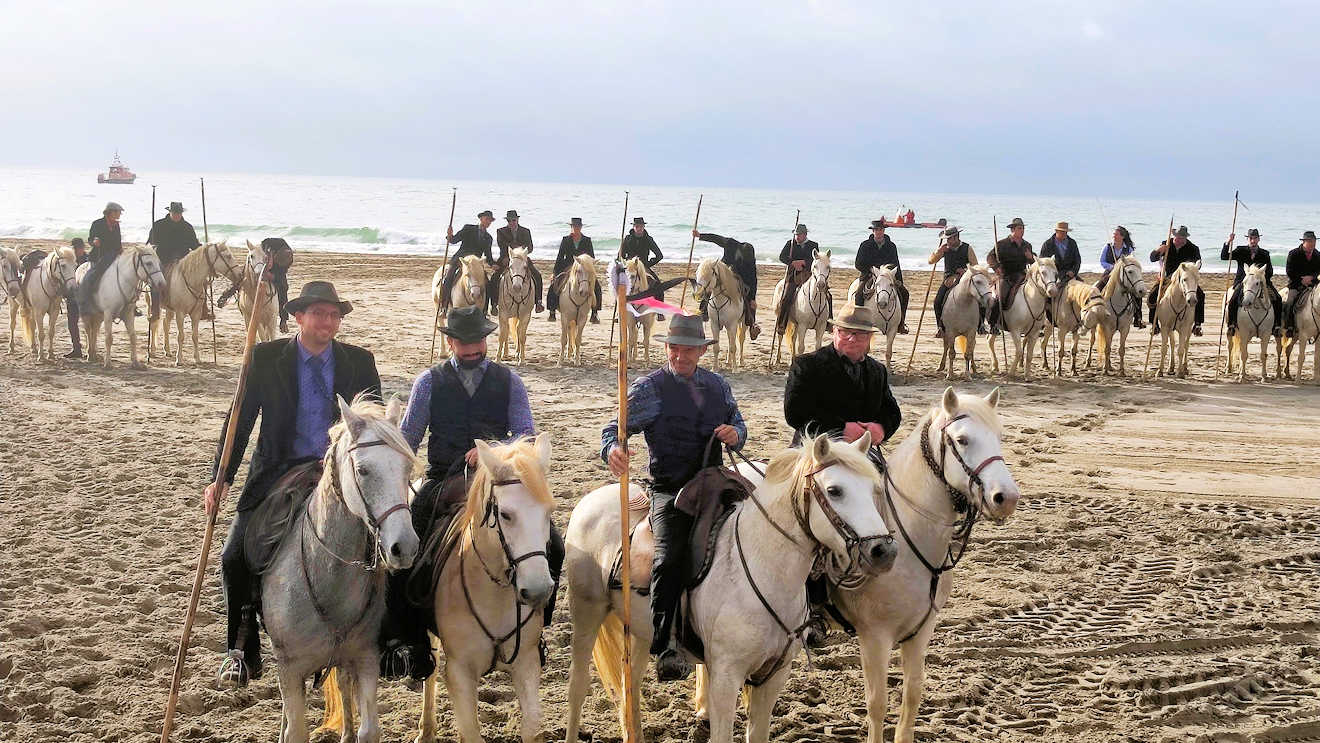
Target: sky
[(1182, 100)]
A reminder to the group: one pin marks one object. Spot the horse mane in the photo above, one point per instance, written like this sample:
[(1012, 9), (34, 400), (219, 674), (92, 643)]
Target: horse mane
[(519, 253), (519, 455), (373, 412), (721, 269), (469, 261), (790, 467), (977, 408), (589, 264), (638, 269), (1042, 261), (65, 253)]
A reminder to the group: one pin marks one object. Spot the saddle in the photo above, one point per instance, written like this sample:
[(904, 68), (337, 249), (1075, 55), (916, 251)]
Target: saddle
[(1012, 292), (433, 512), (30, 260), (273, 519)]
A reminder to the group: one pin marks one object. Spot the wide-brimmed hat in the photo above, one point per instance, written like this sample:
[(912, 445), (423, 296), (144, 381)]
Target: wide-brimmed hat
[(855, 317), (1253, 232), (1061, 227), (487, 213), (801, 229), (468, 324), (1017, 222), (318, 292), (111, 206), (1308, 235), (1182, 232), (879, 224), (950, 232), (575, 222), (686, 330), (176, 206), (638, 220), (511, 214)]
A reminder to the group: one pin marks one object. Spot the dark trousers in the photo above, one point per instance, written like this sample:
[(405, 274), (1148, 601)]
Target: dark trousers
[(1005, 288), (672, 529), (279, 279), (552, 298), (749, 312), (1152, 299), (240, 587), (165, 267), (493, 287), (941, 295), (71, 307), (1276, 302), (1290, 309), (93, 276), (451, 275)]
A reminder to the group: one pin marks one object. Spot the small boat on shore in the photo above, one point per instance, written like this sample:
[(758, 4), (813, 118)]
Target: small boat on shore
[(119, 173), (906, 218)]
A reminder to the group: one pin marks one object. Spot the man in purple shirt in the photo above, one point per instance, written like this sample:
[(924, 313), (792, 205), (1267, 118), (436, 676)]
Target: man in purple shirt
[(292, 385)]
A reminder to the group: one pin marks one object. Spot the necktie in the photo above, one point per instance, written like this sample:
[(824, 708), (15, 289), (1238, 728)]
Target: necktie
[(317, 365)]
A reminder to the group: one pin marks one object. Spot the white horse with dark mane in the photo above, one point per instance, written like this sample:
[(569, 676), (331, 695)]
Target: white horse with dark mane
[(116, 297), (1255, 319), (720, 288), (961, 315), (576, 299), (257, 269), (186, 292), (884, 304), (1175, 313), (323, 596), (515, 305), (750, 610), (939, 481), (811, 307), (1120, 301), (9, 265), (1026, 319), (639, 328), (43, 291), (1307, 320)]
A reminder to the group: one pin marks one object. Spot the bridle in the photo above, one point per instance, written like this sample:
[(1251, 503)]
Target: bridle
[(11, 278), (578, 285), (471, 286), (213, 255), (821, 283), (140, 267), (510, 280), (53, 267), (714, 292), (1179, 279), (893, 300)]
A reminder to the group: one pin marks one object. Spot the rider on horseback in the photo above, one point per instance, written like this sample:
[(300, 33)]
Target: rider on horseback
[(475, 239), (107, 241), (570, 247), (1303, 273), (957, 256), (797, 254), (879, 250), (677, 408), (292, 384), (1184, 251), (507, 238), (741, 258), (173, 237), (1009, 261)]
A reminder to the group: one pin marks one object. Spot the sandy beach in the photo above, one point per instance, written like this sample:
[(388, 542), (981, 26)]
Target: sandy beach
[(1158, 582)]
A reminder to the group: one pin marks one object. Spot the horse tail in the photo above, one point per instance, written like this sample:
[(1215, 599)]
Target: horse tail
[(961, 343), (608, 655), (335, 718), (1103, 332)]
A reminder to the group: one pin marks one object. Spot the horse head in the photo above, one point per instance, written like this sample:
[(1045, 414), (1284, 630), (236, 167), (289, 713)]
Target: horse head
[(1049, 276), (474, 274), (220, 262), (707, 277), (146, 264), (820, 266), (510, 502), (372, 462), (884, 286), (582, 273), (638, 278), (63, 266), (1253, 285), (964, 449), (1188, 276), (520, 268), (9, 270), (978, 281), (1130, 277)]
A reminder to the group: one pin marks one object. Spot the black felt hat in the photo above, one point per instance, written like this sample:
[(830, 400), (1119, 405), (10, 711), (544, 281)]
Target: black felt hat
[(468, 324), (317, 292)]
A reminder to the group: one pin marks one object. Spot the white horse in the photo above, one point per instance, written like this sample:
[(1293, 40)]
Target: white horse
[(43, 290), (116, 296), (961, 315), (720, 288), (750, 609), (1174, 313), (1307, 321), (1077, 306), (9, 265), (491, 590), (639, 328), (515, 306), (1255, 319), (185, 292), (1120, 304), (884, 304), (811, 307), (323, 597), (265, 314), (1024, 321), (469, 288), (576, 298), (937, 504)]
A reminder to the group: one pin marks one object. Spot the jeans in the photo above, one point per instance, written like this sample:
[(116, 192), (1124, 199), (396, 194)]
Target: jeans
[(672, 529)]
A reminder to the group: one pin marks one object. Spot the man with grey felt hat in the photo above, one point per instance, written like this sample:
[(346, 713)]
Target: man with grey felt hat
[(677, 409)]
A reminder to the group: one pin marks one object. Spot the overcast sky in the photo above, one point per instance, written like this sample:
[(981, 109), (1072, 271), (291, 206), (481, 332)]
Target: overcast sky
[(1176, 100)]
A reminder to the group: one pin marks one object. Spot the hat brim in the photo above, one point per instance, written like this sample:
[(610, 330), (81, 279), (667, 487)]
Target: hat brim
[(832, 324), (298, 304), (487, 328), (684, 340)]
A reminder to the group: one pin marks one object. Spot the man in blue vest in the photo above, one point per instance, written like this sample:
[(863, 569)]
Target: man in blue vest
[(677, 408)]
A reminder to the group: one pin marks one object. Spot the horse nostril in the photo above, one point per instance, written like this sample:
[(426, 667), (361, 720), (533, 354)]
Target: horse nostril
[(882, 551), (394, 550), (999, 499)]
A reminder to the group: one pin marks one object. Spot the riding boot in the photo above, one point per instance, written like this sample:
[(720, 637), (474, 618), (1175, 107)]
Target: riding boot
[(902, 307), (701, 308), (243, 657), (554, 555), (536, 284)]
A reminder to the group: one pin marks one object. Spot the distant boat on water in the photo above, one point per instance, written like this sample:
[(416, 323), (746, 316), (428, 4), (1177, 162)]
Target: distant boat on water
[(119, 173)]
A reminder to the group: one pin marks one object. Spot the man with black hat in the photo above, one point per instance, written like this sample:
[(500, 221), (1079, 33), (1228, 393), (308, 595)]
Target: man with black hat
[(1303, 270), (797, 254), (639, 244), (1250, 254), (292, 384), (740, 257), (1009, 261), (879, 251), (476, 240), (1063, 249), (1184, 251), (173, 238), (507, 238), (458, 401), (571, 246), (677, 408), (71, 303), (957, 256), (107, 241)]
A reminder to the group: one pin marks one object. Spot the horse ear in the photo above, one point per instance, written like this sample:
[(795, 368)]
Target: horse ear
[(815, 254), (394, 410), (863, 444), (486, 456), (249, 244), (993, 398), (543, 449), (353, 421), (827, 255), (820, 448), (949, 401)]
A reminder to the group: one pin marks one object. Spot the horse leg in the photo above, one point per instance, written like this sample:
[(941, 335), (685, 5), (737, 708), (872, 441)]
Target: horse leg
[(1076, 338), (426, 727), (109, 326), (526, 678), (563, 338), (586, 618), (366, 675), (723, 702), (344, 681), (52, 318), (914, 681), (875, 667), (293, 691), (1264, 353), (462, 687), (761, 702), (1315, 363)]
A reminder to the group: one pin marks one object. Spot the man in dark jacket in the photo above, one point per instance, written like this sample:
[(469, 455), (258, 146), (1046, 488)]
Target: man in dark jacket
[(1184, 251), (476, 240), (797, 254), (1250, 254), (1303, 274), (570, 247), (511, 236), (107, 241), (880, 251), (957, 256), (677, 407), (1063, 249), (172, 237), (639, 244), (292, 385), (1009, 260), (71, 303), (740, 257)]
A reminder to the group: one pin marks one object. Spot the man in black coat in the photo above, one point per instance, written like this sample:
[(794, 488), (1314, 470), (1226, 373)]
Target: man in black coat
[(511, 236), (797, 254), (1303, 274), (1009, 260), (173, 238), (107, 242), (1184, 251), (475, 240), (292, 384), (740, 257), (1063, 249), (1251, 254), (880, 251), (570, 247), (639, 244)]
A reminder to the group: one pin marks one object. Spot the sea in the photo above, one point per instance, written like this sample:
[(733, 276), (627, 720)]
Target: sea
[(408, 216)]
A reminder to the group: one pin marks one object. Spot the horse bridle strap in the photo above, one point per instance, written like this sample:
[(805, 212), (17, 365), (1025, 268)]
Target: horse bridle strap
[(376, 521)]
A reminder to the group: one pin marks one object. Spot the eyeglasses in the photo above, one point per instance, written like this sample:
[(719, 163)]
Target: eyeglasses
[(853, 335), (324, 315)]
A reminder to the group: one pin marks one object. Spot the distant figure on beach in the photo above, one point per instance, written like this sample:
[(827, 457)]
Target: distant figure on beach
[(1109, 257), (71, 303), (796, 254), (1063, 249), (1184, 251), (173, 237), (639, 244), (1009, 260), (957, 256), (279, 258), (570, 247), (507, 238), (475, 239), (1251, 254), (741, 257), (107, 241), (879, 251)]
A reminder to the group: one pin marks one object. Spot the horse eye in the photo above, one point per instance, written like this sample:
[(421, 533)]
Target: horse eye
[(834, 491), (363, 471), (962, 441), (508, 517)]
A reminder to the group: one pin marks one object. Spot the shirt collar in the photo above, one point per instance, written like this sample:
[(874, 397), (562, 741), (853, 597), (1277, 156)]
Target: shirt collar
[(304, 354), (695, 378), (453, 361)]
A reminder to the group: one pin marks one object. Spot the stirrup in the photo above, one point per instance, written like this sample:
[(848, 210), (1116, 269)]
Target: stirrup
[(817, 631), (396, 661), (754, 331), (672, 666), (233, 671)]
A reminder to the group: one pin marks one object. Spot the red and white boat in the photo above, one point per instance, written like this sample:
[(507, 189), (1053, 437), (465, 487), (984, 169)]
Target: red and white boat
[(119, 173)]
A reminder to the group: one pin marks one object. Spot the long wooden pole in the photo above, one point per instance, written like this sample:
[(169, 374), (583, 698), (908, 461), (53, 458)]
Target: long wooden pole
[(618, 255), (210, 289), (1003, 321), (778, 337), (1159, 294), (155, 306), (631, 730), (226, 452), (922, 318), (687, 272), (1228, 286), (435, 324)]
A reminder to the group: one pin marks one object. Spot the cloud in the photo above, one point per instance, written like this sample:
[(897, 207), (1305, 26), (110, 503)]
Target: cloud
[(1092, 30)]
